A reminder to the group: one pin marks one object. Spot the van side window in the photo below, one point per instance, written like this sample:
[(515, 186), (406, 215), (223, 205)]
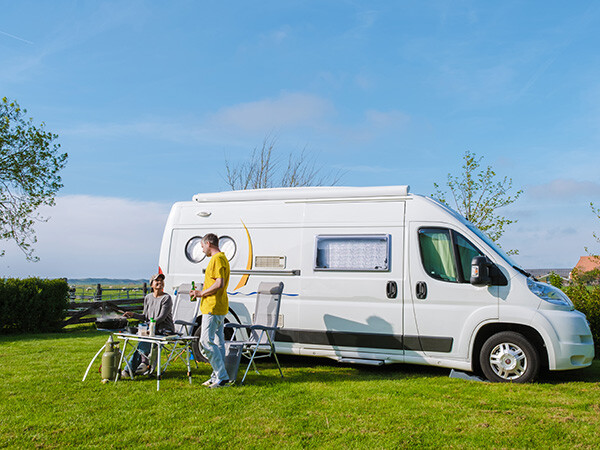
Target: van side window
[(353, 253), (466, 252), (446, 254)]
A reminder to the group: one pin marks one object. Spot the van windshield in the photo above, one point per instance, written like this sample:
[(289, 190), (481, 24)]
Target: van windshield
[(492, 244), (484, 238)]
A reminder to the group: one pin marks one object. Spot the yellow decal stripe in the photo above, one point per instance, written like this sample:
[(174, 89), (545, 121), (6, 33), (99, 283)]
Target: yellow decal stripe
[(244, 278)]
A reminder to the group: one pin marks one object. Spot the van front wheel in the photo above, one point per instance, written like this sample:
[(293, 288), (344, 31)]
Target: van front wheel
[(508, 357)]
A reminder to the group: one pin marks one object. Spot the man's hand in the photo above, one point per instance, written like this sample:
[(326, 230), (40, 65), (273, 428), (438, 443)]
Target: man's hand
[(128, 314)]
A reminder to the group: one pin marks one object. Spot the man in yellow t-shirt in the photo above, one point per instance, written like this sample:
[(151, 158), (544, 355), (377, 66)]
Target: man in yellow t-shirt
[(214, 306)]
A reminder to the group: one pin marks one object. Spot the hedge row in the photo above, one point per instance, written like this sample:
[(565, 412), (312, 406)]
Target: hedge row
[(586, 299), (32, 305)]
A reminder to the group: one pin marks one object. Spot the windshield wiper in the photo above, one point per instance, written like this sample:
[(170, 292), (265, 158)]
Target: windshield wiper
[(524, 272)]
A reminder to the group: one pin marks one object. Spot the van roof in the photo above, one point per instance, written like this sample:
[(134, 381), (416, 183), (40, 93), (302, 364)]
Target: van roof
[(305, 193)]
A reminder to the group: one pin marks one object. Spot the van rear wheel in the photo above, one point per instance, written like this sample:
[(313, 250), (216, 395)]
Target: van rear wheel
[(198, 356), (508, 357)]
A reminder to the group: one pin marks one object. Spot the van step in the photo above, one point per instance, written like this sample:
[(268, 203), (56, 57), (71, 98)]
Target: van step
[(370, 362)]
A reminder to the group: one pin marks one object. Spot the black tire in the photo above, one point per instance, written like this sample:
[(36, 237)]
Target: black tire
[(508, 357), (196, 344)]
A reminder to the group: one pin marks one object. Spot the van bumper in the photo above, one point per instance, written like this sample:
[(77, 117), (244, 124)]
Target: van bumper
[(569, 338)]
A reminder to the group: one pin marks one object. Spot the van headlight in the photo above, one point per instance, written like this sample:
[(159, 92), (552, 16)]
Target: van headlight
[(549, 293)]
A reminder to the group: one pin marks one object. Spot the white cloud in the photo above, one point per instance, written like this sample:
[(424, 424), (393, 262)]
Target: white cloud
[(95, 237), (287, 110), (389, 119), (565, 189), (364, 22), (279, 35), (300, 115)]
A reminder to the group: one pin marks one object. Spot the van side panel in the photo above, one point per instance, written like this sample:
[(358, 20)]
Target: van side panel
[(348, 311)]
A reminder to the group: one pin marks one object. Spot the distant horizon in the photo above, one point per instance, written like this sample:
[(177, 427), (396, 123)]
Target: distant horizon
[(95, 280)]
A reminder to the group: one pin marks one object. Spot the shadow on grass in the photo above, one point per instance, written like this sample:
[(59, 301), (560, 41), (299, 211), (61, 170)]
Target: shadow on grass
[(303, 369)]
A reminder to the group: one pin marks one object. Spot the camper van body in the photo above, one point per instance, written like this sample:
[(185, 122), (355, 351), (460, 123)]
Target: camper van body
[(376, 275)]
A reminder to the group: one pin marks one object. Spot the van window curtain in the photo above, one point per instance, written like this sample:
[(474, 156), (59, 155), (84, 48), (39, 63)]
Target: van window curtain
[(437, 254)]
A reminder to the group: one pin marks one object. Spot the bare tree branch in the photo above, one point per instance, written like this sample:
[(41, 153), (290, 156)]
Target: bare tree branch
[(266, 170)]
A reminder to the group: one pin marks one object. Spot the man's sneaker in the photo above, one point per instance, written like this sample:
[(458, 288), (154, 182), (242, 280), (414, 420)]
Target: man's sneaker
[(218, 384), (208, 382), (125, 374)]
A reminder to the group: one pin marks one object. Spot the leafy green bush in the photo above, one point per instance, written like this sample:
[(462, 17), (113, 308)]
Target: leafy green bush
[(32, 304), (587, 300)]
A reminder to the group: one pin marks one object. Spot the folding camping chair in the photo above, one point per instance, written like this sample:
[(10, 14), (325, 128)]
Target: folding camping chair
[(261, 333), (185, 312)]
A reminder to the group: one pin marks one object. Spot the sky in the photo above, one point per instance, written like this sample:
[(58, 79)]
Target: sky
[(149, 99)]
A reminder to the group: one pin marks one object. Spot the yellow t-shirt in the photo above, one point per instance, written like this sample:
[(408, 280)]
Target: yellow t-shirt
[(217, 303)]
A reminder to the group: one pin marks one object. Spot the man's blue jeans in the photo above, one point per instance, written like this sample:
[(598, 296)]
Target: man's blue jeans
[(212, 342), (143, 347)]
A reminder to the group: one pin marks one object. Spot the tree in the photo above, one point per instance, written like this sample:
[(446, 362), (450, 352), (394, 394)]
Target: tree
[(29, 165), (265, 170), (596, 211), (477, 195), (555, 280)]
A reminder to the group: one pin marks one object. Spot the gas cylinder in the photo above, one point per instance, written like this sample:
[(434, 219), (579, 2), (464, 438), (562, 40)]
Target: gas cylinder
[(110, 359)]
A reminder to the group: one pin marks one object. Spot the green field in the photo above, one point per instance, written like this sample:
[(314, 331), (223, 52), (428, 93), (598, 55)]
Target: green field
[(109, 292), (319, 403)]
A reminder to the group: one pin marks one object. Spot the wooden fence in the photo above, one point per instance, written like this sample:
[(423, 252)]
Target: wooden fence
[(89, 303)]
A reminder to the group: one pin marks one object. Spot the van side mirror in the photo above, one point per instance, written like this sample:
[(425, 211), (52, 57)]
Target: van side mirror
[(485, 273), (480, 271)]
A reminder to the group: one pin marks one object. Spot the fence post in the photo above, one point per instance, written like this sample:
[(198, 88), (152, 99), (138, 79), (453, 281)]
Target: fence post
[(145, 288)]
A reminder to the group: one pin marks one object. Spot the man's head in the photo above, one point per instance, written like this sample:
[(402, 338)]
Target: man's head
[(210, 244)]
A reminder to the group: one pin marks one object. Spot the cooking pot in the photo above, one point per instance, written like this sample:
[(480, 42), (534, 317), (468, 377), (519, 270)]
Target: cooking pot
[(111, 323)]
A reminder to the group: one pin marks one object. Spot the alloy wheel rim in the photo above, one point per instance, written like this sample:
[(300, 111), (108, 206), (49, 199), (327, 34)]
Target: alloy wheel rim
[(508, 361)]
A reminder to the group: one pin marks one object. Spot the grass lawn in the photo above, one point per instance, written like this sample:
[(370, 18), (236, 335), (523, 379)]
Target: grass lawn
[(319, 403)]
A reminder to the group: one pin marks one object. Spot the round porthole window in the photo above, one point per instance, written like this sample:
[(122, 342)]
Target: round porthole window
[(227, 246), (193, 250)]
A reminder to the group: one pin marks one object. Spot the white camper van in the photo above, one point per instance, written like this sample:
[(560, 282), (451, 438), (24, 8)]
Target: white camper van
[(377, 275)]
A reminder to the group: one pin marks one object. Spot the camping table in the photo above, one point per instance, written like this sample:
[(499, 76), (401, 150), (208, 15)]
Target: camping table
[(160, 342)]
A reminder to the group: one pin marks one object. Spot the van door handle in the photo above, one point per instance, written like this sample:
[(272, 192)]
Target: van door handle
[(391, 289), (421, 290)]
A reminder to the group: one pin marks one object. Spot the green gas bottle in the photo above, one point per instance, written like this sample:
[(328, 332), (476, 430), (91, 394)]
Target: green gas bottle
[(110, 359)]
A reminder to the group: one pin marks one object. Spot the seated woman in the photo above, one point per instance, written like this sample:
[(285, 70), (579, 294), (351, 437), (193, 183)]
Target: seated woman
[(158, 306)]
